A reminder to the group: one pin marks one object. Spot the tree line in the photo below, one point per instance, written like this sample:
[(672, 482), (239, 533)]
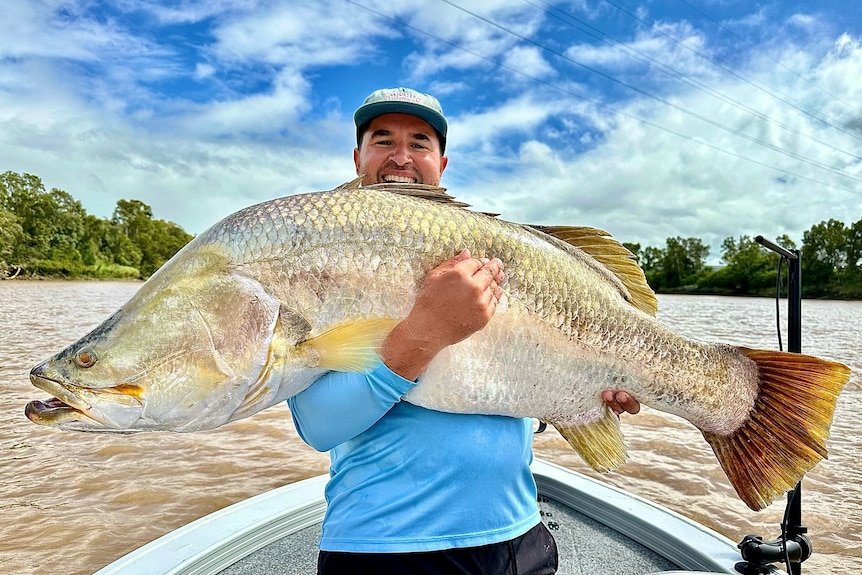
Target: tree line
[(831, 257), (49, 234)]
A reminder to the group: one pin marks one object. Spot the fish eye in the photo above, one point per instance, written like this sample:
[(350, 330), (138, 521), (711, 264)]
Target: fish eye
[(86, 357)]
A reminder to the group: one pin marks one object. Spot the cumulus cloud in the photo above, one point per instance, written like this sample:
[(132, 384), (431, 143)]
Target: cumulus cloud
[(661, 126)]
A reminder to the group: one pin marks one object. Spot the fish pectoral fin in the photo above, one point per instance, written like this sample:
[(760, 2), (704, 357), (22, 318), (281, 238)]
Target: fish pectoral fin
[(351, 346), (600, 443)]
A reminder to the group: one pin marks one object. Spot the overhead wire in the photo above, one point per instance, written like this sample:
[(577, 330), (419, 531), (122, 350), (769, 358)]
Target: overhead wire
[(783, 98), (666, 102), (577, 23), (778, 63), (598, 104)]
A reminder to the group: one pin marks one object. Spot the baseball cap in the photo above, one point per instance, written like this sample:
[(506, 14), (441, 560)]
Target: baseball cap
[(401, 101)]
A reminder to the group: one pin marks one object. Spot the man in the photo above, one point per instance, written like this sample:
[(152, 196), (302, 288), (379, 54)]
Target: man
[(414, 490)]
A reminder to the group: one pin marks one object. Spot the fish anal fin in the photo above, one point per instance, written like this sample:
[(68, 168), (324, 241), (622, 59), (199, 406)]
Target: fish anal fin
[(614, 256), (785, 435), (600, 443), (350, 346)]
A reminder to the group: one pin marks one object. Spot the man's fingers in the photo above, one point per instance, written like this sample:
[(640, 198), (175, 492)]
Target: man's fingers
[(609, 397), (485, 272), (463, 256), (494, 269), (620, 401), (627, 402)]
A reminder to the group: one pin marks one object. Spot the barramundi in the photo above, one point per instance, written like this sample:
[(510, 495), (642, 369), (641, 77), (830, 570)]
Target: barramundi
[(259, 306)]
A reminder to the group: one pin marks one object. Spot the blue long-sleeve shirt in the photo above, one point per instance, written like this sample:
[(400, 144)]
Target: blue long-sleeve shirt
[(404, 478)]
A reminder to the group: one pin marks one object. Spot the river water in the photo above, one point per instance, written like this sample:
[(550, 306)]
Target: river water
[(72, 503)]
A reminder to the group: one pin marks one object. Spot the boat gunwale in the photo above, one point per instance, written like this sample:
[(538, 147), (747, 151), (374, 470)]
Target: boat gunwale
[(216, 541)]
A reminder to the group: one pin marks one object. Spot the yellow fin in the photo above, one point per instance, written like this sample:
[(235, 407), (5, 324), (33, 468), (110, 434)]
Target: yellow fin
[(614, 256), (350, 346), (599, 443), (420, 191), (785, 435), (353, 184)]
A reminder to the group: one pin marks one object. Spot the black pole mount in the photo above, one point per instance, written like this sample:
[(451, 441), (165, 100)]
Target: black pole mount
[(759, 555), (793, 547)]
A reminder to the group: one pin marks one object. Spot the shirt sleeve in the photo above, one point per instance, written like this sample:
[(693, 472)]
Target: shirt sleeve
[(341, 405)]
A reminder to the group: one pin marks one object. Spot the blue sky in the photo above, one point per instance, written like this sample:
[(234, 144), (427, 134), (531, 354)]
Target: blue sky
[(692, 118)]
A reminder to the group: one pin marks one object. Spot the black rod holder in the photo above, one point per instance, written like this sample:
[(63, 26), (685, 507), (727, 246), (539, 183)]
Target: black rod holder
[(793, 547)]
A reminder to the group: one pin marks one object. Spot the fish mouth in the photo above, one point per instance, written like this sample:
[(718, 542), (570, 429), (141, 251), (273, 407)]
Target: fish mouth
[(54, 413), (110, 409)]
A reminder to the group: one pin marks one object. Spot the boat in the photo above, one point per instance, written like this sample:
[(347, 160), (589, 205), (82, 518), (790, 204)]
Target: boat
[(599, 529)]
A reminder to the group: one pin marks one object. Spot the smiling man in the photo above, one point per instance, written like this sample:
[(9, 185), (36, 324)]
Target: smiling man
[(413, 490), (400, 137)]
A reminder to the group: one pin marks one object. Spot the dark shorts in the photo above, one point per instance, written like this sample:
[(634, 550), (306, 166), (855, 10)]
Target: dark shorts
[(533, 553)]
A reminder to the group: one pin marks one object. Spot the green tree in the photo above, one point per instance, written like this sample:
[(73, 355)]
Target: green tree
[(167, 239), (51, 224), (785, 242), (68, 229), (103, 243), (683, 259), (35, 211), (156, 240), (651, 258), (633, 248), (750, 267), (824, 248), (50, 233), (854, 252), (10, 235)]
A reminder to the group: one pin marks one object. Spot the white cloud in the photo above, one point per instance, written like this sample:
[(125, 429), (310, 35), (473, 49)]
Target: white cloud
[(645, 184), (203, 71), (88, 105), (528, 59)]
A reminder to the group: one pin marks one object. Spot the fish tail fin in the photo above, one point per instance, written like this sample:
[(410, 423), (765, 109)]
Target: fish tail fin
[(600, 442), (785, 435)]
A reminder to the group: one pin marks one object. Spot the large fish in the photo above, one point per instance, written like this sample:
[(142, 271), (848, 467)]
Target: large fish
[(255, 309)]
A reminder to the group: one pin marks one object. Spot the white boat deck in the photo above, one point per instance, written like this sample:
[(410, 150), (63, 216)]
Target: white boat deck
[(598, 528)]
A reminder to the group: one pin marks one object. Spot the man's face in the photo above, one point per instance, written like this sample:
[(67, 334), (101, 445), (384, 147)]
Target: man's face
[(399, 148)]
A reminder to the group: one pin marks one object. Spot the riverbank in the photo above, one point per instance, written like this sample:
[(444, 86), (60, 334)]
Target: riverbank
[(52, 271), (851, 293), (132, 274)]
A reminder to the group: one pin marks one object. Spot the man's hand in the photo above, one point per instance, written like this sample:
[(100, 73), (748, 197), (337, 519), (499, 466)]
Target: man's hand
[(457, 298), (620, 401)]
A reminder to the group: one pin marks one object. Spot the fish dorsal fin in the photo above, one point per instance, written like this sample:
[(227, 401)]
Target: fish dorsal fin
[(421, 191), (614, 256), (353, 184)]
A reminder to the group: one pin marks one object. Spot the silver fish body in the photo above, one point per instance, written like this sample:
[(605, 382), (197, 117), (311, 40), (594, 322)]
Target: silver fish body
[(255, 309)]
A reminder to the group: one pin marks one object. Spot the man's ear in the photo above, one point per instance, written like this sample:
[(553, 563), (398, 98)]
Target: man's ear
[(356, 160)]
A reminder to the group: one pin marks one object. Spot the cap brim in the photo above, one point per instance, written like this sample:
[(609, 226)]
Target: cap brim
[(368, 112)]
